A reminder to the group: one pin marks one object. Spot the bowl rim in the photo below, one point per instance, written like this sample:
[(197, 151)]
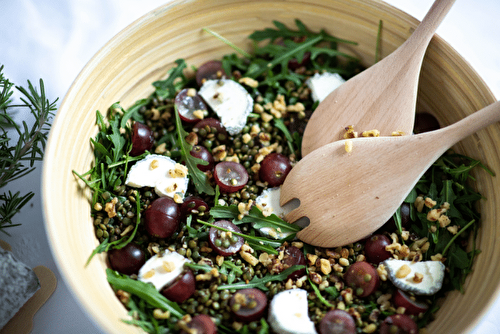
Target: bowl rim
[(49, 214)]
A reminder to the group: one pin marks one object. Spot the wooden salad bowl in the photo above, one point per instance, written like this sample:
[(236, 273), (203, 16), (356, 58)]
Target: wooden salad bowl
[(125, 67)]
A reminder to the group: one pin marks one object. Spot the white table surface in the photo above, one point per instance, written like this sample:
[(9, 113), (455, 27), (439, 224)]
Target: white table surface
[(53, 40)]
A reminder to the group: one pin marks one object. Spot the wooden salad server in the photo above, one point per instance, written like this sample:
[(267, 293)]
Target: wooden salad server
[(382, 97), (348, 196)]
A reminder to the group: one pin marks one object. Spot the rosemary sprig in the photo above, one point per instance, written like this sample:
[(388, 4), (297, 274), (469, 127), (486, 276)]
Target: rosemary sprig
[(17, 158)]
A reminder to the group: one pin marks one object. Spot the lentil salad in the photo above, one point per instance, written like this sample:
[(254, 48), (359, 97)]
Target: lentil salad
[(282, 104)]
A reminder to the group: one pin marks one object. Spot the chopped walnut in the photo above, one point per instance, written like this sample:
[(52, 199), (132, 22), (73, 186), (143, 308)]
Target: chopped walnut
[(350, 133), (199, 114), (178, 171), (403, 271), (433, 215), (297, 107), (154, 164), (233, 158), (344, 262), (419, 203), (397, 133), (160, 314), (326, 267), (312, 258), (348, 146), (168, 266), (266, 117), (437, 257), (160, 149), (429, 202), (191, 92), (178, 198), (254, 130), (249, 82), (192, 139), (204, 277), (258, 108), (453, 229), (444, 221), (371, 133), (123, 296), (315, 277), (110, 207), (265, 259), (418, 278)]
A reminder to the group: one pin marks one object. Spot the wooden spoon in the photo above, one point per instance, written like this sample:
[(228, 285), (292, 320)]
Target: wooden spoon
[(348, 196), (383, 97)]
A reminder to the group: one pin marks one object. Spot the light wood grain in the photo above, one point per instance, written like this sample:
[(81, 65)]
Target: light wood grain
[(368, 184), (383, 97), (125, 67)]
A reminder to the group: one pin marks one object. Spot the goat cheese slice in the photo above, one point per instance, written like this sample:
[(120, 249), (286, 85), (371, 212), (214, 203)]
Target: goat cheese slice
[(158, 171), (420, 278), (162, 269), (323, 84), (288, 313), (269, 203), (230, 101), (18, 283)]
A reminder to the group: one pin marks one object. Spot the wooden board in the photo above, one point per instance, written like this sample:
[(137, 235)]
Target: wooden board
[(22, 322)]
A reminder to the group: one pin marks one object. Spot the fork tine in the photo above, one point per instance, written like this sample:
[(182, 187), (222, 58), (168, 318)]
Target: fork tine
[(294, 215)]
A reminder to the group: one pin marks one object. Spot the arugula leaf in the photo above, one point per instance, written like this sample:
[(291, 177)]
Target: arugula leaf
[(284, 32), (195, 266), (102, 247), (199, 178), (283, 58), (166, 89), (230, 269), (145, 291), (255, 217), (278, 123), (318, 294), (228, 42), (253, 240), (260, 283), (133, 111), (226, 212)]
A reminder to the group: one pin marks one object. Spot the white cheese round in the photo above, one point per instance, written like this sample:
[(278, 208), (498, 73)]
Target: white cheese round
[(155, 171), (230, 101), (323, 84), (269, 203), (420, 278), (162, 269), (288, 313)]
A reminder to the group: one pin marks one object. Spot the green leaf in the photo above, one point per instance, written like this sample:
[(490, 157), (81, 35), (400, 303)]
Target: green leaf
[(145, 291), (199, 178), (258, 220), (228, 42), (133, 111), (226, 212), (278, 123), (166, 89), (458, 257), (255, 217), (260, 242), (259, 283), (318, 294), (101, 248)]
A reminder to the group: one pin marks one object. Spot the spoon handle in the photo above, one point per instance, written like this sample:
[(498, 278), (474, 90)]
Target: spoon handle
[(452, 134), (421, 37)]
